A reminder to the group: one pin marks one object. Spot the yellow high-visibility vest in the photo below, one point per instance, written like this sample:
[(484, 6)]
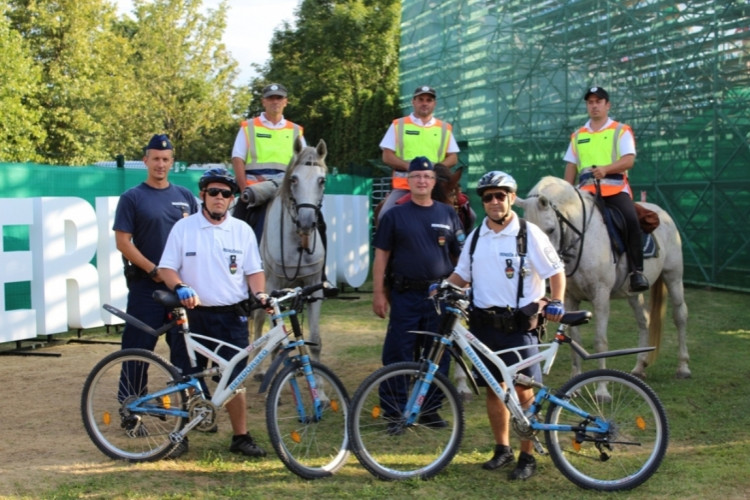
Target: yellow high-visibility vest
[(413, 140), (269, 148), (600, 148)]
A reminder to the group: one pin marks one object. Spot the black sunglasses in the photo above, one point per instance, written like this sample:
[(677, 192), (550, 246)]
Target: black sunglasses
[(498, 195), (226, 193)]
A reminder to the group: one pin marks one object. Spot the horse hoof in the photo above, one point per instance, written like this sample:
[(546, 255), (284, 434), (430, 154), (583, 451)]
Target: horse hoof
[(640, 374), (683, 375)]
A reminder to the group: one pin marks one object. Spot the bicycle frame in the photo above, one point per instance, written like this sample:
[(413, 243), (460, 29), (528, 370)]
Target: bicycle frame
[(470, 345), (197, 343)]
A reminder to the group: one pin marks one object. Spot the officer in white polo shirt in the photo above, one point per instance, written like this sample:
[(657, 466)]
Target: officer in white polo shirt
[(211, 260)]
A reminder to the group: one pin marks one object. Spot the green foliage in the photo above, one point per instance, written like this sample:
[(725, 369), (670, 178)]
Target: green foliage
[(20, 132), (340, 63)]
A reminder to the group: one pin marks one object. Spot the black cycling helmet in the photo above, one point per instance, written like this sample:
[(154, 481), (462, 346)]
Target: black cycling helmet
[(218, 174), (496, 179)]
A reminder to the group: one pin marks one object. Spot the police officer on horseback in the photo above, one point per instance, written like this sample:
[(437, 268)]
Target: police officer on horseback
[(600, 154), (262, 151)]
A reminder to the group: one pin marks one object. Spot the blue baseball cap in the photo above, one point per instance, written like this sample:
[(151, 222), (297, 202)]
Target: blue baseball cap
[(160, 142), (420, 163)]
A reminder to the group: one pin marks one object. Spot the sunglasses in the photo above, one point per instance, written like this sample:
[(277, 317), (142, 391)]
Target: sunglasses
[(226, 193), (499, 196)]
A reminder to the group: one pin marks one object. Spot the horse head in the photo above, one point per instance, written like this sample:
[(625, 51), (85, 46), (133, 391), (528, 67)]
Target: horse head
[(558, 209), (303, 187), (447, 185)]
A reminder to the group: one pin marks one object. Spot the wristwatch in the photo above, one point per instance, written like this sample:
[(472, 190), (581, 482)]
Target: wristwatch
[(154, 272)]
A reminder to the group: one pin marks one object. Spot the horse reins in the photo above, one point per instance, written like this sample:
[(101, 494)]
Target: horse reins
[(563, 221)]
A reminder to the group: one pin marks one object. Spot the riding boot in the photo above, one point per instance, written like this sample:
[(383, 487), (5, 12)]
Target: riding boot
[(322, 229), (638, 282), (259, 193)]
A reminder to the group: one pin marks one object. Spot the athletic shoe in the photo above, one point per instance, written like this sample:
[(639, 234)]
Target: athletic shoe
[(503, 456), (245, 445), (525, 468)]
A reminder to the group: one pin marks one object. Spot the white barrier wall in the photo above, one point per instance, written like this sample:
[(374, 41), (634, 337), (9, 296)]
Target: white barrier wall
[(66, 233)]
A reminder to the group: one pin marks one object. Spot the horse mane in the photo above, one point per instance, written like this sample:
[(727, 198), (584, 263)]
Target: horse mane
[(555, 189), (447, 183)]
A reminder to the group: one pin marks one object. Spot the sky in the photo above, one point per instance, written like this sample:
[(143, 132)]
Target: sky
[(250, 26)]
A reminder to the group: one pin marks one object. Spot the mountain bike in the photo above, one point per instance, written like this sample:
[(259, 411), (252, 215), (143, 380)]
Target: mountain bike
[(604, 429), (136, 406)]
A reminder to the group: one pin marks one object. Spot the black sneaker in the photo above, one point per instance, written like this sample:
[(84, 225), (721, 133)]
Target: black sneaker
[(245, 445), (502, 457), (432, 420), (179, 450), (638, 282), (525, 468)]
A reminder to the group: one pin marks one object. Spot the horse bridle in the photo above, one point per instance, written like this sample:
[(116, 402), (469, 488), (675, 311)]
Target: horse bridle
[(563, 221), (294, 212)]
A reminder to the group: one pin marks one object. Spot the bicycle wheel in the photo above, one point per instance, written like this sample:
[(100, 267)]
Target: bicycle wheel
[(119, 379), (629, 453), (382, 441), (310, 446)]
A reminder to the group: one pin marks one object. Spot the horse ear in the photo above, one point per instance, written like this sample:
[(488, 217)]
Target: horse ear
[(297, 145), (322, 149)]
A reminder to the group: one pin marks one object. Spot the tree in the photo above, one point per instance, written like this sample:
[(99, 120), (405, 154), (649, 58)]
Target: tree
[(20, 132), (186, 76), (340, 64), (86, 86)]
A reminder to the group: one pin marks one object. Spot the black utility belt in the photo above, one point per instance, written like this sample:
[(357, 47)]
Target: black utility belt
[(240, 308), (506, 319), (401, 283)]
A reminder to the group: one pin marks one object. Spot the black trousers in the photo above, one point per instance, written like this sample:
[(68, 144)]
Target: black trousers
[(634, 245)]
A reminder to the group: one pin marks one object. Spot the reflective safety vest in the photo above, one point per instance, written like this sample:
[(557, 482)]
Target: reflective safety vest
[(600, 148), (267, 147), (413, 140)]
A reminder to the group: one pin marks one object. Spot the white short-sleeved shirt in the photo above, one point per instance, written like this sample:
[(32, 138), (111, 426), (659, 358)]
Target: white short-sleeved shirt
[(239, 150), (496, 265), (213, 259), (626, 144), (389, 139)]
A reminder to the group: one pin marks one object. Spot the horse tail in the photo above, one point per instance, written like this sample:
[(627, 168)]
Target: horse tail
[(658, 309)]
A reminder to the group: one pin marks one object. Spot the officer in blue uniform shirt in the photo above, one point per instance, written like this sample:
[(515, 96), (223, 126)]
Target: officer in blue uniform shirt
[(144, 217), (416, 245)]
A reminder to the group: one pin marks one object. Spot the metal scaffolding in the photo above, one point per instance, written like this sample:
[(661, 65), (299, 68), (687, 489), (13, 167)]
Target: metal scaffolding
[(510, 77)]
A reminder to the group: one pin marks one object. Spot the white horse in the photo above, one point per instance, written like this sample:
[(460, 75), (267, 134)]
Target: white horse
[(573, 223), (291, 246)]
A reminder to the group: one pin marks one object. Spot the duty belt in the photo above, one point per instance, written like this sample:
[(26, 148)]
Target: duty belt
[(402, 283)]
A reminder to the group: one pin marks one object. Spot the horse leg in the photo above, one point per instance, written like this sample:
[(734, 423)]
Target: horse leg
[(642, 319), (573, 305), (679, 316), (459, 378), (315, 339), (255, 326), (601, 314)]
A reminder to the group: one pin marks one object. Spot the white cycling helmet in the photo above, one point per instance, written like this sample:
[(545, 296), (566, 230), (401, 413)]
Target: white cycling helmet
[(497, 179)]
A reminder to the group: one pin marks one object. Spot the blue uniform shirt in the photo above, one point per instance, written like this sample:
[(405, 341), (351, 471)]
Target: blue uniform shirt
[(422, 240), (149, 214)]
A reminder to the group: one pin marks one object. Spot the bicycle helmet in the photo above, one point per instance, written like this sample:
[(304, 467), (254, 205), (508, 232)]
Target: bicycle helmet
[(218, 174), (496, 179)]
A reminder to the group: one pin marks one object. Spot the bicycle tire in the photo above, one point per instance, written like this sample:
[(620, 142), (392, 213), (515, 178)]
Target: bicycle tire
[(638, 440), (384, 446), (308, 447), (136, 437)]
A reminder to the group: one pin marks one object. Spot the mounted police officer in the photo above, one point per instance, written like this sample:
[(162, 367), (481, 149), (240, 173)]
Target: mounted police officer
[(419, 134), (601, 152)]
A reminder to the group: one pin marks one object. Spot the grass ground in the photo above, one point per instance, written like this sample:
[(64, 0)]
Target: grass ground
[(708, 414)]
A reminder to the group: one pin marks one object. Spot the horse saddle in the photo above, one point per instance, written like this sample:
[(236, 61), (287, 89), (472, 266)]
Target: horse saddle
[(617, 230)]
